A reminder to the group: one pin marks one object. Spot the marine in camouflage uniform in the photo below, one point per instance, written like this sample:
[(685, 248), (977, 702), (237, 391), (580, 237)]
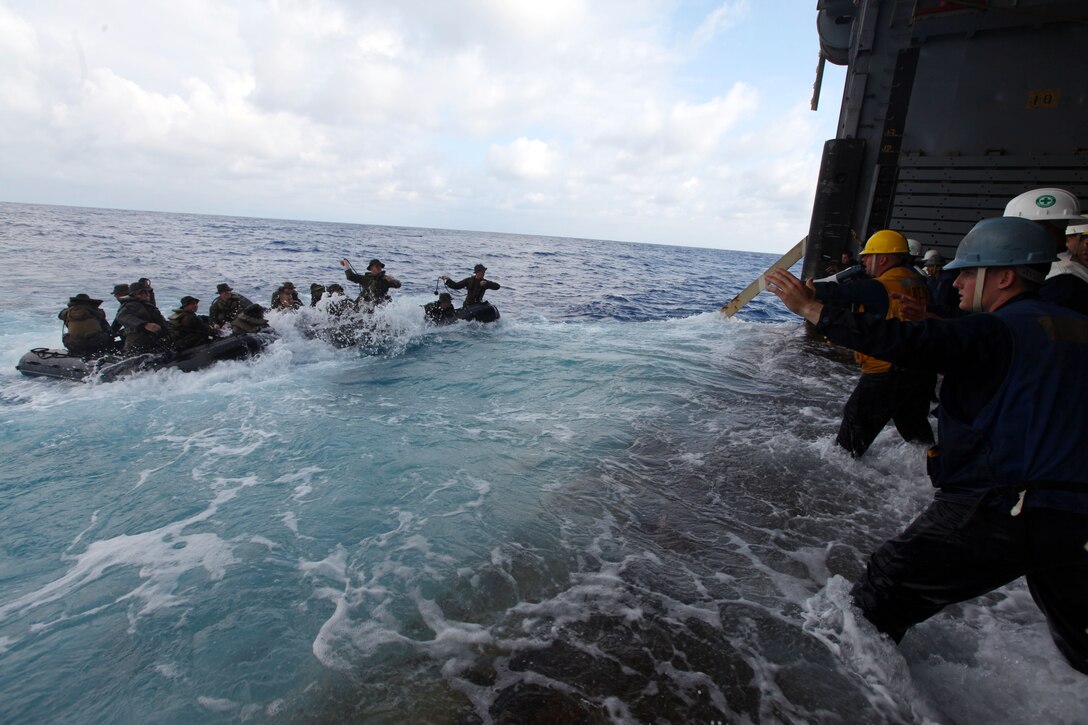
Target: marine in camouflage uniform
[(336, 303), (441, 312), (285, 298), (187, 328), (146, 330), (87, 331), (226, 306), (374, 286), (476, 285), (120, 293)]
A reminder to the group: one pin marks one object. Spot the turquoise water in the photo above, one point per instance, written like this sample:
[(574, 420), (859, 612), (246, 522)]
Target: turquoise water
[(611, 505)]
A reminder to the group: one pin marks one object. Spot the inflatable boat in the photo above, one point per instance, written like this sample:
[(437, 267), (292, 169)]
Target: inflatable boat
[(44, 362)]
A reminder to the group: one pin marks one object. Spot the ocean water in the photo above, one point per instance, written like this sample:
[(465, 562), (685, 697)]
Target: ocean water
[(610, 506)]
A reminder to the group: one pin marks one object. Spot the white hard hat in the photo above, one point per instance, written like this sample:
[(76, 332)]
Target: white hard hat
[(933, 255), (1046, 205), (1079, 229), (914, 246)]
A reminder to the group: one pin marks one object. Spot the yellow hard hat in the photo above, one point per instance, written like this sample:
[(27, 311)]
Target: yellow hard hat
[(886, 241)]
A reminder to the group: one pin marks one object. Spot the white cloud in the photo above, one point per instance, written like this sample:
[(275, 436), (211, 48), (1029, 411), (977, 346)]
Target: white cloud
[(523, 159), (721, 19), (400, 112), (19, 81)]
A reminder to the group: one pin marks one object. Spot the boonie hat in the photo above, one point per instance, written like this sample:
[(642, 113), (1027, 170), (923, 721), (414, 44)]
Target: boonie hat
[(223, 287), (479, 268), (137, 287), (83, 299), (377, 262), (445, 297), (187, 300), (119, 289), (288, 285)]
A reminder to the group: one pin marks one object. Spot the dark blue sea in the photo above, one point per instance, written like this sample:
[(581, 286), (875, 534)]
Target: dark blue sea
[(612, 505)]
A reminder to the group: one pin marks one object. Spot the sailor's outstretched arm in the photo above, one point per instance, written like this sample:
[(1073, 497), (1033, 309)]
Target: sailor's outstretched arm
[(799, 297)]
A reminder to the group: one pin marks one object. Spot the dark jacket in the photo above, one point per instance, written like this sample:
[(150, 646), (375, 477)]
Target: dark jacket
[(873, 297), (135, 315), (223, 311), (188, 329), (944, 299), (476, 289), (1067, 290)]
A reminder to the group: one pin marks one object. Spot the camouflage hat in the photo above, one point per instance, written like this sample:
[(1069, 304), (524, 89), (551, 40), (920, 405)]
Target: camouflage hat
[(377, 262), (445, 297), (255, 310), (83, 299), (334, 288), (120, 290), (287, 285), (479, 268), (315, 287), (223, 287), (137, 287), (188, 300)]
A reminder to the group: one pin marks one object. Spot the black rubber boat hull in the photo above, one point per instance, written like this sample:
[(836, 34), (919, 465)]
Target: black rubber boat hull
[(235, 347), (481, 312), (47, 363)]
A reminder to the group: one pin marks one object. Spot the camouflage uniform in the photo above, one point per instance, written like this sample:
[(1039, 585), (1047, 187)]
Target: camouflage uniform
[(223, 311)]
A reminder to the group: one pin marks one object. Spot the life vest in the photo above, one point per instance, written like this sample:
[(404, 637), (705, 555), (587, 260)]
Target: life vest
[(82, 323), (186, 330), (903, 280), (1032, 430)]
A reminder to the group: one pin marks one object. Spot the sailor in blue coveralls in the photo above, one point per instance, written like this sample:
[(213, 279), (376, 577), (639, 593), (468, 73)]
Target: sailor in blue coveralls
[(1011, 468)]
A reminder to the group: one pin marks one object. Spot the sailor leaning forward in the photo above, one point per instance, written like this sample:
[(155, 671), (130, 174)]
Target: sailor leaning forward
[(885, 391), (1012, 469)]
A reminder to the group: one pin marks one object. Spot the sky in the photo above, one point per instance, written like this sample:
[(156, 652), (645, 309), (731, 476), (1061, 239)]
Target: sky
[(663, 121)]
